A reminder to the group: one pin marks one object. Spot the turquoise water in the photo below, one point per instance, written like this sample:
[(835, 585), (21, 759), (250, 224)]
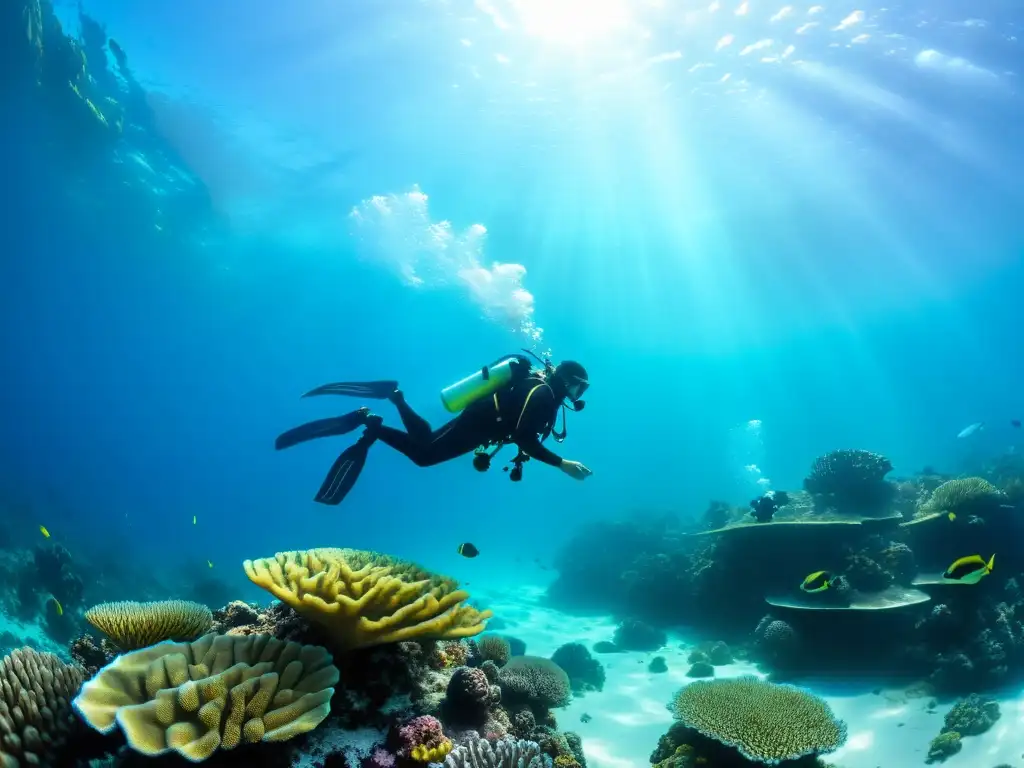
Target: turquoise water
[(733, 213)]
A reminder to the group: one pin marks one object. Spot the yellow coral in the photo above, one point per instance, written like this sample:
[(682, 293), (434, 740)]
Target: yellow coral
[(363, 598), (138, 625), (424, 754), (217, 692), (566, 761)]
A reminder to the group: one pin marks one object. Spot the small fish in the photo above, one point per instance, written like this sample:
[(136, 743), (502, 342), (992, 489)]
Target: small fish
[(193, 519), (969, 570), (42, 530), (468, 550), (951, 516), (209, 563), (818, 581), (57, 606), (1015, 423), (971, 429), (585, 718)]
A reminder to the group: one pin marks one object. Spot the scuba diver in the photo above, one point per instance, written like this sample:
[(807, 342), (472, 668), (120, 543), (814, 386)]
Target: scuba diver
[(508, 401)]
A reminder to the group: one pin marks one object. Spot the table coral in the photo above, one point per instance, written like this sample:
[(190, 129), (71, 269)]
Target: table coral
[(363, 598)]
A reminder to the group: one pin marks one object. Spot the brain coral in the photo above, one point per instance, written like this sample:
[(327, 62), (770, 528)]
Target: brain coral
[(363, 598), (220, 691), (134, 625), (35, 707), (765, 722), (535, 680)]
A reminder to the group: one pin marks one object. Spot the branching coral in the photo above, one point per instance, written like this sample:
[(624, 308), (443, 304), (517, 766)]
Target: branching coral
[(35, 707), (134, 625), (218, 692), (765, 722), (363, 598)]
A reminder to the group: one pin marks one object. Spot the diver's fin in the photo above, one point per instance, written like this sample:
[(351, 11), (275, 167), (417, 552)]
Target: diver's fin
[(336, 425), (345, 472), (373, 390)]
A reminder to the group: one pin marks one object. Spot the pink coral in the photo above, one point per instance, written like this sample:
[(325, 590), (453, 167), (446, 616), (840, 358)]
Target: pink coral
[(422, 731), (380, 758)]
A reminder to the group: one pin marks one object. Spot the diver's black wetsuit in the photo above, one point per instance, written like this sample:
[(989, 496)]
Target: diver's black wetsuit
[(522, 412)]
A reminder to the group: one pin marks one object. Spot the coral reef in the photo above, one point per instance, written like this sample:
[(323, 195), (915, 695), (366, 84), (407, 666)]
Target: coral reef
[(215, 693), (585, 672), (35, 707), (363, 598), (763, 721), (132, 625), (657, 665)]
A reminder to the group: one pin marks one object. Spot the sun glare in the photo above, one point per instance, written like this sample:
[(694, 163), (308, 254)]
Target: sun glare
[(573, 22)]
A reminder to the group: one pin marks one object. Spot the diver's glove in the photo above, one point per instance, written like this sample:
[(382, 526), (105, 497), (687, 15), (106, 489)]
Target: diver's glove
[(574, 469)]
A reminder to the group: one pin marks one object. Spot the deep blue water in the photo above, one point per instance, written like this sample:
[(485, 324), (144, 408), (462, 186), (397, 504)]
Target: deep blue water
[(829, 243)]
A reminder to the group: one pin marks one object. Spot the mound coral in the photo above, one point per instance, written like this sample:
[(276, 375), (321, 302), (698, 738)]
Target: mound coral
[(850, 480), (35, 707), (632, 635), (494, 648), (217, 692), (132, 625), (972, 716), (423, 740), (535, 681), (585, 672), (765, 722), (363, 598), (962, 496), (469, 695), (507, 753)]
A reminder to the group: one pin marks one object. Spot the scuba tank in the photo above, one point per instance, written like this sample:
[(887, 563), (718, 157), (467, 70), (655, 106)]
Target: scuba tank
[(484, 382)]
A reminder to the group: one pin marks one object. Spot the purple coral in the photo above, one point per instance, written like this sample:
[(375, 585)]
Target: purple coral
[(422, 731)]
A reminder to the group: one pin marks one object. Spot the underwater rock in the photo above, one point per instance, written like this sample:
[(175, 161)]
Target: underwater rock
[(585, 672), (516, 646), (866, 575), (718, 653), (658, 665), (633, 635), (606, 646)]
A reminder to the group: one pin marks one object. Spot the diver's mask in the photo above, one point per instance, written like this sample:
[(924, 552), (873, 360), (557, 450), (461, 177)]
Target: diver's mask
[(573, 377), (574, 389)]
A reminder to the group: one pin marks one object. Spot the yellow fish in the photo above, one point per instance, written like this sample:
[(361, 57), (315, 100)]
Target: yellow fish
[(818, 581), (42, 530), (969, 570), (210, 563), (57, 606), (193, 519), (951, 516)]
